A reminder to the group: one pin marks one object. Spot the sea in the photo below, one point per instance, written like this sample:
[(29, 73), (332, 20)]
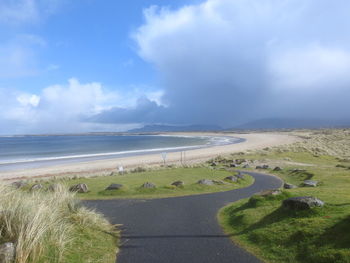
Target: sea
[(33, 151)]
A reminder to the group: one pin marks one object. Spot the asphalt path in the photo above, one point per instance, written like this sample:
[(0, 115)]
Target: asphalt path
[(179, 229)]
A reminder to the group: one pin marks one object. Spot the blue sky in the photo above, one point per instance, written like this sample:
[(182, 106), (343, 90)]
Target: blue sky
[(89, 65)]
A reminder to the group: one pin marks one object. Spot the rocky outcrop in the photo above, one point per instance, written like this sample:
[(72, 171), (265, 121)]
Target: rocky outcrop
[(114, 187), (310, 183), (302, 203), (289, 186), (148, 185), (178, 183), (79, 188), (205, 182)]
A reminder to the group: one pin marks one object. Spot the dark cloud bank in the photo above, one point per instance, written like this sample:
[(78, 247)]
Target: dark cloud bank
[(228, 62)]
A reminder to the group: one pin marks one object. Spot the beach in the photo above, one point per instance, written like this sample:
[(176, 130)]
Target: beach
[(252, 141)]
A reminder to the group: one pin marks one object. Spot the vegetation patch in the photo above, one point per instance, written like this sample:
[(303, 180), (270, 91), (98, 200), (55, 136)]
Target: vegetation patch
[(51, 227)]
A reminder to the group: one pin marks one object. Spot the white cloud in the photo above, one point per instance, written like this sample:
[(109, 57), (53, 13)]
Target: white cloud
[(63, 108)]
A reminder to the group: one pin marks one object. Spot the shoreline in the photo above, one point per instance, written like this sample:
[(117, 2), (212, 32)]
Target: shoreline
[(252, 141)]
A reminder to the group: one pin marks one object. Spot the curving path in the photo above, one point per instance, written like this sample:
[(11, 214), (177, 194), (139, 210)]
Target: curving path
[(179, 229)]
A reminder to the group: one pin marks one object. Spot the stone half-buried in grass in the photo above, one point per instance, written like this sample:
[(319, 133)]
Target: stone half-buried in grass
[(289, 186), (148, 185), (79, 188), (178, 184), (205, 182), (114, 187), (310, 183), (302, 203), (36, 187), (231, 178)]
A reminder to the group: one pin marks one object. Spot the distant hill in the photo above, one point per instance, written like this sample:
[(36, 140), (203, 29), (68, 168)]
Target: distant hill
[(170, 128), (275, 123)]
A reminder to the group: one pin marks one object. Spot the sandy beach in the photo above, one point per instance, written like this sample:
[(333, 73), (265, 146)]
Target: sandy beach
[(253, 141)]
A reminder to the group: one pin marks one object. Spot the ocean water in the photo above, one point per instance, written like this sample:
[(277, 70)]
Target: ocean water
[(20, 152)]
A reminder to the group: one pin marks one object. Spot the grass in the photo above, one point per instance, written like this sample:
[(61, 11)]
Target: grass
[(51, 227), (161, 178), (277, 235)]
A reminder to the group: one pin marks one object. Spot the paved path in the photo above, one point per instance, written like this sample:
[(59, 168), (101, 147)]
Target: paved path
[(180, 229)]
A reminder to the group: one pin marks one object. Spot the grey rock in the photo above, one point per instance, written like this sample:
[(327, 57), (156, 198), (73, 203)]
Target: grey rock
[(231, 178), (302, 203), (310, 183), (240, 161), (7, 252), (277, 169), (232, 165), (219, 182), (114, 187), (270, 192), (19, 184), (289, 186), (240, 175), (205, 182), (36, 187), (79, 188), (148, 185), (246, 166), (265, 166), (178, 183), (213, 164)]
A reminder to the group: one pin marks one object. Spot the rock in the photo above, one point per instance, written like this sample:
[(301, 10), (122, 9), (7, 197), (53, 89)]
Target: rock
[(79, 188), (258, 167), (218, 182), (289, 186), (265, 166), (298, 170), (36, 187), (178, 183), (270, 192), (19, 184), (205, 182), (232, 165), (114, 187), (240, 161), (302, 202), (310, 183), (277, 169), (246, 166), (7, 252), (148, 185), (231, 178), (240, 175), (213, 164)]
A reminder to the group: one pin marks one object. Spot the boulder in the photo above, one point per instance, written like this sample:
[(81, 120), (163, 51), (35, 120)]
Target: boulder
[(148, 185), (246, 166), (310, 183), (79, 188), (7, 252), (36, 187), (213, 164), (178, 183), (258, 167), (277, 169), (114, 187), (232, 165), (289, 186), (218, 182), (265, 166), (19, 184), (205, 182), (231, 178), (240, 161), (270, 192), (240, 175), (302, 202)]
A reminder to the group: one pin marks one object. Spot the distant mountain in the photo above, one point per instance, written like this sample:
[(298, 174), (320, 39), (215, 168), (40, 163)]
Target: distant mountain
[(275, 123), (170, 128)]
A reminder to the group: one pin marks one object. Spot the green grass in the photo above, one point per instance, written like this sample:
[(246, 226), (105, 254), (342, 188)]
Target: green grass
[(277, 235), (162, 179)]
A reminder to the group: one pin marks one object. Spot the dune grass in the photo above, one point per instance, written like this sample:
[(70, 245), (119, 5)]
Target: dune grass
[(162, 178), (51, 227), (278, 235)]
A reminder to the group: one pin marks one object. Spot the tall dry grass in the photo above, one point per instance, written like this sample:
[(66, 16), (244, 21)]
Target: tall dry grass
[(41, 223)]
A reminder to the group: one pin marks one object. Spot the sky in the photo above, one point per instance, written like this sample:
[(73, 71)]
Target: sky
[(89, 65)]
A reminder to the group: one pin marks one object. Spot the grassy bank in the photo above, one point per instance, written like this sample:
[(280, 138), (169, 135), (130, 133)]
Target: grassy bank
[(318, 235), (51, 227), (162, 178)]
